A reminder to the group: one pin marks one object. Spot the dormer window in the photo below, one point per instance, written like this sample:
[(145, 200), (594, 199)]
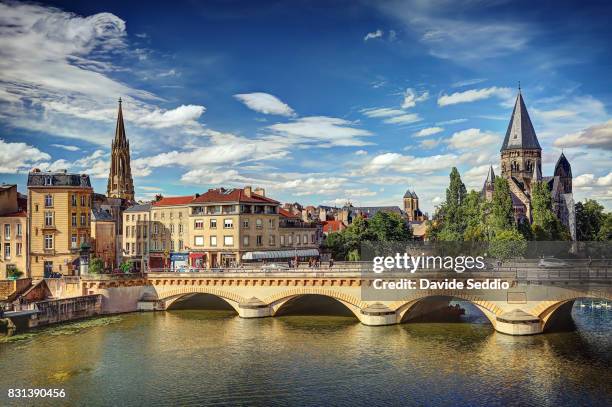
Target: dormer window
[(48, 180)]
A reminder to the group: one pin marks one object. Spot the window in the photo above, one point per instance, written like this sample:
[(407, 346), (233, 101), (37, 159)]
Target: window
[(35, 207), (138, 248), (18, 249), (272, 240), (245, 240), (171, 228), (282, 240), (73, 200), (228, 240), (305, 239), (213, 223), (127, 231), (48, 268), (7, 250), (199, 224), (48, 201), (258, 223), (198, 240), (48, 180), (245, 223), (73, 241), (155, 228), (180, 244), (19, 232), (171, 245), (7, 232), (290, 239), (74, 220), (138, 218), (181, 228), (48, 218), (213, 241), (312, 238), (271, 223), (83, 220), (228, 223), (259, 240), (82, 200), (48, 241)]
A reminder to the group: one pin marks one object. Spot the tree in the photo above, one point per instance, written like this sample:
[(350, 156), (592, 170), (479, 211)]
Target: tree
[(126, 267), (605, 231), (389, 227), (545, 225), (590, 218), (453, 206), (501, 217), (96, 265), (336, 244), (507, 244)]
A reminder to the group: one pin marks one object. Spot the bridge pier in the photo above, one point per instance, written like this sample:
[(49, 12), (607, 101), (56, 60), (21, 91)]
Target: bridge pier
[(518, 322), (254, 308), (378, 314)]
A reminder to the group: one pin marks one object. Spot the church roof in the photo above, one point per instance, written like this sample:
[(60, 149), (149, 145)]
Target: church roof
[(410, 194), (563, 167), (120, 137), (520, 133)]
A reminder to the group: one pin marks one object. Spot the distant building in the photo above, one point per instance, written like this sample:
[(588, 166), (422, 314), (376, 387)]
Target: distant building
[(411, 207), (59, 219), (295, 233), (120, 183), (136, 235), (521, 165), (103, 237), (331, 226), (13, 240)]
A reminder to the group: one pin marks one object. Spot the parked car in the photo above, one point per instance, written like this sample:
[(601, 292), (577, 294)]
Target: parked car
[(274, 267), (551, 262)]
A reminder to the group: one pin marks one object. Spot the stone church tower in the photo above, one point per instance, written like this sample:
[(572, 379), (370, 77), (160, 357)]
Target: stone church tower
[(521, 153), (120, 183)]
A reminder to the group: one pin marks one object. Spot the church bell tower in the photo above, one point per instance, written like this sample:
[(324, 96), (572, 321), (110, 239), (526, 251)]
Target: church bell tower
[(120, 183)]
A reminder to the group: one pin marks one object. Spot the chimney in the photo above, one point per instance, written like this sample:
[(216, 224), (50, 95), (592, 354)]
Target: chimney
[(260, 192), (248, 191)]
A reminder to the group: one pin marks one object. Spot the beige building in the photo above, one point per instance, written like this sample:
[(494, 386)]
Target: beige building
[(59, 206), (13, 239), (136, 234), (169, 232), (294, 233), (103, 237)]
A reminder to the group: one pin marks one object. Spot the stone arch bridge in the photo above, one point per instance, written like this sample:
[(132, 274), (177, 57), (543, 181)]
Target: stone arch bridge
[(530, 306)]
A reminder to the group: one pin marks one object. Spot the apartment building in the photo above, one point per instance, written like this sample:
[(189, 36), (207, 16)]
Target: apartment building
[(297, 234), (169, 226), (59, 206), (136, 235), (13, 238), (103, 237)]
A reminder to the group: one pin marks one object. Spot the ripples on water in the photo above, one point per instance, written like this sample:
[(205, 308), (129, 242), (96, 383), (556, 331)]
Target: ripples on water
[(183, 358)]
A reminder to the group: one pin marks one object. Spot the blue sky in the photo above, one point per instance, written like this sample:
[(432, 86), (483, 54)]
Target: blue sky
[(318, 102)]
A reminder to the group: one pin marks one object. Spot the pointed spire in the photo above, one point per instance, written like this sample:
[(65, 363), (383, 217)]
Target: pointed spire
[(120, 138), (537, 173), (490, 175), (563, 167), (520, 133)]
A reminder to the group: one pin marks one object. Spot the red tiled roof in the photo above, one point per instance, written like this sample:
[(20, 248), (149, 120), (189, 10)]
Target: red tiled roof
[(232, 195), (174, 200), (285, 213), (333, 226), (20, 214)]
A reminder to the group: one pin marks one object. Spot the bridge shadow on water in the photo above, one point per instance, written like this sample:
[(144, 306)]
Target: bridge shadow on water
[(314, 305), (198, 301)]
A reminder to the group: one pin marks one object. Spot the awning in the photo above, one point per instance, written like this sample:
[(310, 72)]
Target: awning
[(280, 254), (196, 255)]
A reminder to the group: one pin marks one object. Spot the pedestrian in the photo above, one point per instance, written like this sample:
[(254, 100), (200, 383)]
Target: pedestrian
[(331, 262)]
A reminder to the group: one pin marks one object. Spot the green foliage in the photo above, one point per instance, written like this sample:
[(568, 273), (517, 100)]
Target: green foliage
[(590, 218), (507, 244), (96, 265), (13, 273), (502, 214), (126, 267), (382, 227), (605, 231), (545, 225)]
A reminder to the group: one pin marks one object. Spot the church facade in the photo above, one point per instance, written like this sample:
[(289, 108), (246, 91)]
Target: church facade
[(521, 165)]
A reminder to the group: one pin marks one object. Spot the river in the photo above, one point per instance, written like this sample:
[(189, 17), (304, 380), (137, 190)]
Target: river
[(201, 357)]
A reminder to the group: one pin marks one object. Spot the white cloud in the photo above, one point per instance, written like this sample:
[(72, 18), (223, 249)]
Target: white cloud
[(471, 138), (473, 95), (361, 152), (605, 181), (382, 112), (598, 136), (265, 103), (184, 115), (410, 164), (375, 34), (453, 121), (429, 131), (429, 144), (359, 192), (327, 131), (17, 157), (468, 82), (411, 98), (583, 180), (65, 147), (404, 119)]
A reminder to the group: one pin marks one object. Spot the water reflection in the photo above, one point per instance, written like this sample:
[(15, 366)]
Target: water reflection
[(196, 357)]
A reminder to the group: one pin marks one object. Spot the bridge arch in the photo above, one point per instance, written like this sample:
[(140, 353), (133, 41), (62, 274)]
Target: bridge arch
[(403, 307), (551, 312), (168, 297), (279, 300)]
